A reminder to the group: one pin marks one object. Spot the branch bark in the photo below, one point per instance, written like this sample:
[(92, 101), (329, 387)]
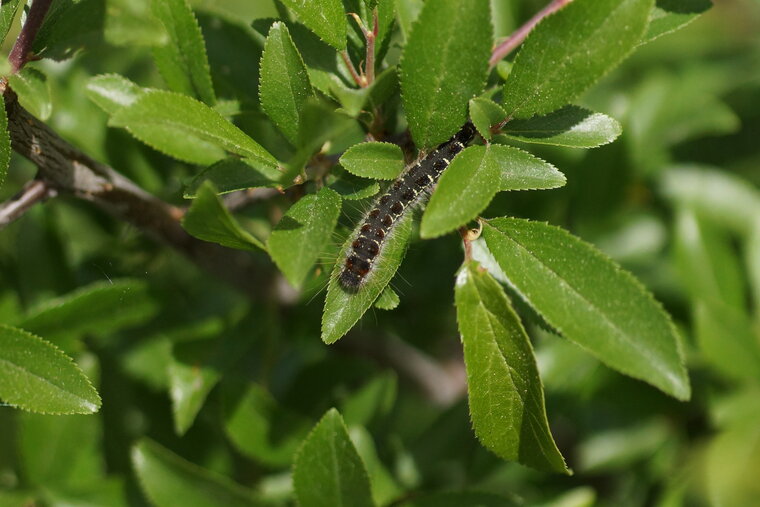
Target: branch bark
[(65, 169)]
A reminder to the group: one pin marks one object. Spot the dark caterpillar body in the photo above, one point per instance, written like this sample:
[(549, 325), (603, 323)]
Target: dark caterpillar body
[(411, 188)]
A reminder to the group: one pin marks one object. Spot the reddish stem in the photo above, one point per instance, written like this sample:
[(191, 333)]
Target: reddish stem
[(22, 48), (355, 75), (521, 33)]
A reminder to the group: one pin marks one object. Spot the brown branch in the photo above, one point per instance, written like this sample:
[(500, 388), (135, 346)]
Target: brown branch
[(22, 48), (66, 170), (521, 33), (33, 192)]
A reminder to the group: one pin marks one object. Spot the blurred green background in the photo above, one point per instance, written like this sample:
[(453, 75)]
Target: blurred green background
[(197, 368)]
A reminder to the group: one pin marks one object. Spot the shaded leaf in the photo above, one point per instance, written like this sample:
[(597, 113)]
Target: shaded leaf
[(169, 480), (209, 220), (604, 309), (670, 15), (372, 400), (327, 469), (182, 62), (349, 186), (8, 11), (324, 17), (69, 26), (111, 92), (473, 179), (99, 308), (485, 113), (131, 22), (444, 65), (620, 448), (284, 86), (233, 174), (596, 35), (261, 428), (504, 391), (186, 129), (380, 161), (344, 308), (571, 126), (33, 91), (38, 377), (303, 233)]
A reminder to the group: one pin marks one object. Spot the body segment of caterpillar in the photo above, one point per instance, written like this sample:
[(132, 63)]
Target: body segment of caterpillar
[(411, 189)]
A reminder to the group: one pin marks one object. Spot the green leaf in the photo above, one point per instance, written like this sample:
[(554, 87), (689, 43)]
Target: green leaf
[(209, 220), (344, 308), (372, 400), (325, 18), (380, 161), (99, 308), (303, 233), (570, 50), (670, 15), (388, 299), (192, 374), (727, 340), (706, 262), (470, 182), (570, 126), (182, 62), (33, 91), (444, 65), (5, 144), (233, 174), (460, 499), (720, 196), (111, 92), (169, 480), (186, 129), (262, 429), (485, 113), (752, 257), (590, 300), (349, 186), (327, 469), (504, 390), (731, 459), (38, 377), (620, 448), (131, 23), (284, 85), (8, 11), (69, 26)]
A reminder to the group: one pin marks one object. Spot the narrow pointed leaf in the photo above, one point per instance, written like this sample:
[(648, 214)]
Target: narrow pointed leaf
[(170, 480), (570, 126), (182, 62), (209, 220), (37, 376), (284, 83), (444, 65), (233, 174), (327, 470), (596, 36), (343, 309), (504, 391), (325, 18), (590, 300), (484, 114), (304, 233), (473, 179), (380, 161), (111, 92), (670, 15), (99, 308), (186, 129)]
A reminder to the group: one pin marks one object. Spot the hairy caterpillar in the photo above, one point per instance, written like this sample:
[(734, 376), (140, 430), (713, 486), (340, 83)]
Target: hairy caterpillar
[(412, 188)]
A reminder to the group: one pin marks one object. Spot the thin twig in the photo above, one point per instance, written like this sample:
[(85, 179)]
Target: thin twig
[(355, 75), (22, 48), (521, 33), (371, 37), (33, 192)]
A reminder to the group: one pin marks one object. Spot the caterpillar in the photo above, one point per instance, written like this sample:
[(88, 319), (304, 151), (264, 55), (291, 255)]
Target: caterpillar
[(410, 189)]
